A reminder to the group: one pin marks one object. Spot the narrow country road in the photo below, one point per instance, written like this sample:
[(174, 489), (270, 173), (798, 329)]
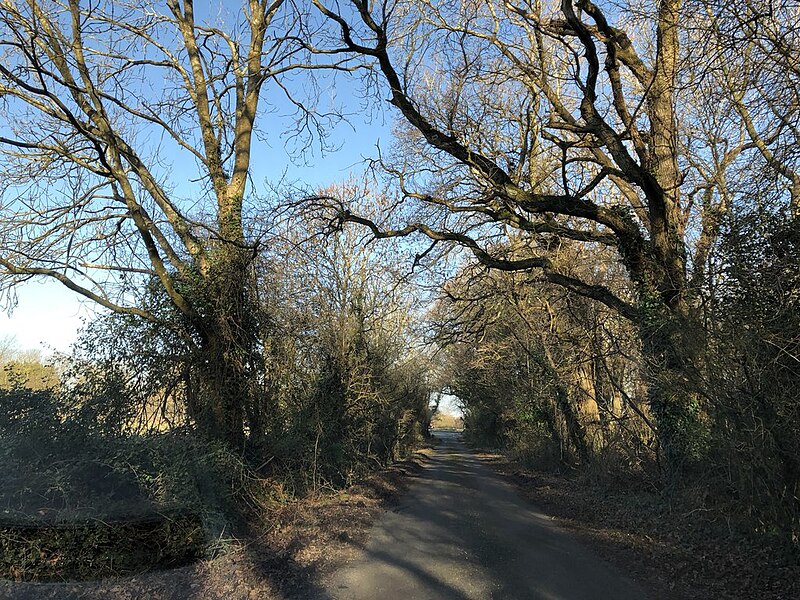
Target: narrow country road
[(463, 533)]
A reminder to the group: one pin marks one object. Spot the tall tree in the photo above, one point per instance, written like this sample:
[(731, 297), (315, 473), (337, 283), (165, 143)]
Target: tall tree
[(126, 145), (555, 120)]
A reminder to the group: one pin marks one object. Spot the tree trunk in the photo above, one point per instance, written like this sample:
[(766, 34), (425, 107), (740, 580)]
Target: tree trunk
[(576, 432), (586, 401), (670, 338), (671, 345), (226, 365), (224, 387)]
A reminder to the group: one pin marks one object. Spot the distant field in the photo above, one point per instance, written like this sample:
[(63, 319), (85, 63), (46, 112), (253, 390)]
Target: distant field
[(445, 421)]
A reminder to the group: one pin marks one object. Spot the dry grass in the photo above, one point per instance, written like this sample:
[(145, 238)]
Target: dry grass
[(445, 421)]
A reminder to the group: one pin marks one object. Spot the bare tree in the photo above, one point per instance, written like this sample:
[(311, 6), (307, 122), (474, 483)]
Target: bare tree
[(757, 72), (559, 120), (127, 144), (342, 362), (531, 357)]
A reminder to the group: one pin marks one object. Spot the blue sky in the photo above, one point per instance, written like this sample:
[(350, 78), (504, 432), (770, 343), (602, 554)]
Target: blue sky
[(48, 316)]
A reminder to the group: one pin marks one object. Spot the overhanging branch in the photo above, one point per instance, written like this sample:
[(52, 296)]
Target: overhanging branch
[(598, 293), (13, 269)]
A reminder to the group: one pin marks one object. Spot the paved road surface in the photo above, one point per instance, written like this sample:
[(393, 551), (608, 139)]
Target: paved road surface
[(463, 533)]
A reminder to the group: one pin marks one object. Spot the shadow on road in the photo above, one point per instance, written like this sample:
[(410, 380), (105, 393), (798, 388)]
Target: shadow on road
[(463, 533)]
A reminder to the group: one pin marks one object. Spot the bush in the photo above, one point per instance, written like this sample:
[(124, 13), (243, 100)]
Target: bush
[(754, 373)]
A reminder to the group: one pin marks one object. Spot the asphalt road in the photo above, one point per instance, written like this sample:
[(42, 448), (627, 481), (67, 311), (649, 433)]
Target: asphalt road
[(463, 533)]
